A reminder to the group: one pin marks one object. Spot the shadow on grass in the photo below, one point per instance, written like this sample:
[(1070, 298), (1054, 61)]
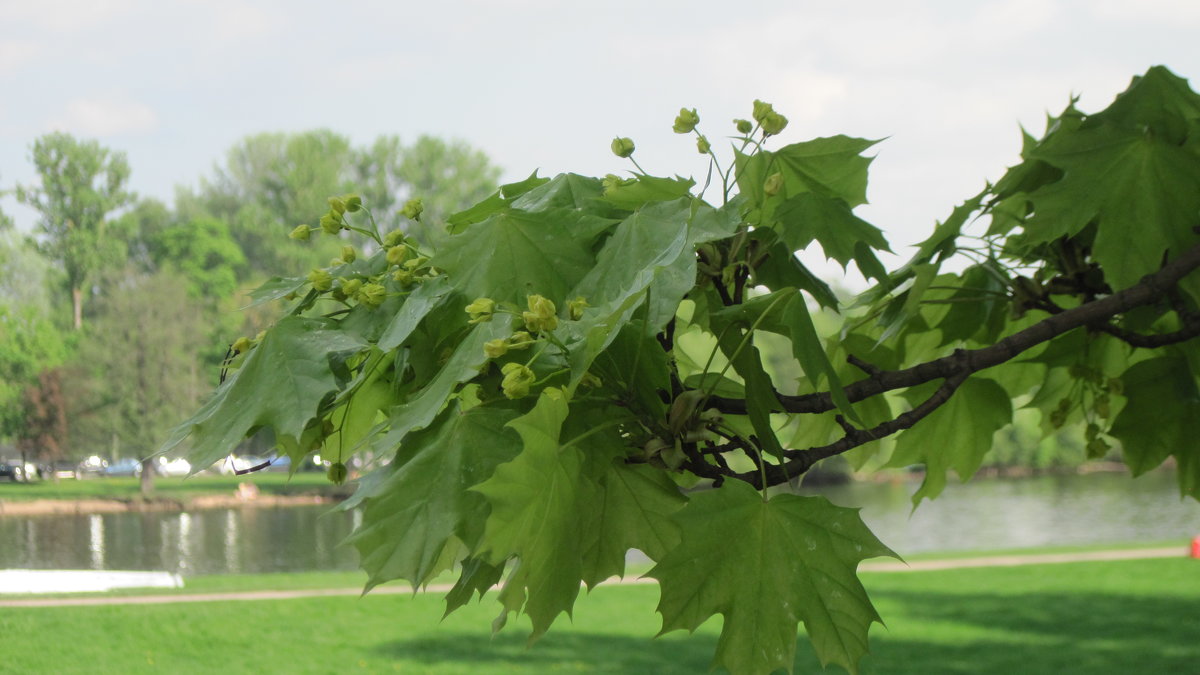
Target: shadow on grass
[(1035, 633), (560, 651), (967, 633)]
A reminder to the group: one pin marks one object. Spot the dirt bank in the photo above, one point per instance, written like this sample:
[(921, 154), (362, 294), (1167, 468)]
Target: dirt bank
[(43, 507)]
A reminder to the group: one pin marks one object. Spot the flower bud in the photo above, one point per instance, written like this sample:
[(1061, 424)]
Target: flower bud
[(686, 121), (761, 110), (372, 295), (413, 209), (520, 340), (336, 205), (348, 254), (337, 473), (702, 145), (397, 254), (591, 381), (575, 308), (494, 349), (321, 280), (403, 277), (773, 123), (541, 314), (481, 310), (301, 233), (241, 345), (773, 184), (331, 223), (353, 202), (743, 126), (393, 238), (517, 380), (622, 147), (351, 286)]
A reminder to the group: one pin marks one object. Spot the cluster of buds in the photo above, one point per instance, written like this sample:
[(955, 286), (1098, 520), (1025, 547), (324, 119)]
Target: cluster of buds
[(542, 314), (518, 378), (771, 122)]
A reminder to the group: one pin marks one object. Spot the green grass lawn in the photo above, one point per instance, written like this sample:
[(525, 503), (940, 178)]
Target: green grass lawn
[(1137, 616), (172, 488)]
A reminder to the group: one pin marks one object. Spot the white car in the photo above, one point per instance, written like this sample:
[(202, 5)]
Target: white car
[(173, 467)]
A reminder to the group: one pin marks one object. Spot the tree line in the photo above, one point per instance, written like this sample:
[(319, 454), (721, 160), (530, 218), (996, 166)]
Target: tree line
[(116, 310)]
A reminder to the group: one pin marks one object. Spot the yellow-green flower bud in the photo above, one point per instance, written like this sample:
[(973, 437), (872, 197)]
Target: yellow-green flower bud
[(622, 147), (393, 238), (481, 310), (495, 348), (241, 345), (336, 205), (415, 262), (773, 184), (321, 280), (259, 336), (372, 295), (403, 277), (413, 209), (351, 286), (397, 254), (702, 145), (541, 314), (743, 126), (301, 233), (686, 121), (774, 123), (575, 308), (331, 223), (591, 381), (520, 340), (761, 110), (353, 202), (517, 380), (348, 254)]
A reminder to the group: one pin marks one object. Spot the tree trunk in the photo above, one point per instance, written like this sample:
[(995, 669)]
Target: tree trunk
[(147, 477), (77, 301)]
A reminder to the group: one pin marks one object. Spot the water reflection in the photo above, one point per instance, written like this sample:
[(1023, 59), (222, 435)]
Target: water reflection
[(285, 539), (994, 514)]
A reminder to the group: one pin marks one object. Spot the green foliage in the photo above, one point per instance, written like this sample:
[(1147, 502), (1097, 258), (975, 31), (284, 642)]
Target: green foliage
[(538, 381), (81, 183)]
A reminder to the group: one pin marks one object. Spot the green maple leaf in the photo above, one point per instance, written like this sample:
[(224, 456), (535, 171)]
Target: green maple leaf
[(766, 565), (1143, 192), (809, 215), (539, 503), (832, 167), (635, 505), (515, 253), (412, 514), (1161, 417), (956, 435), (281, 385), (424, 299)]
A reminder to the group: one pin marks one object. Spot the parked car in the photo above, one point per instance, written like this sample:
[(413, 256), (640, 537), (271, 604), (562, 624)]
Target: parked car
[(124, 467), (91, 467), (61, 469), (16, 471)]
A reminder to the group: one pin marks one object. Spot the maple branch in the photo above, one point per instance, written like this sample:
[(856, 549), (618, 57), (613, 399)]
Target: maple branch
[(1150, 289)]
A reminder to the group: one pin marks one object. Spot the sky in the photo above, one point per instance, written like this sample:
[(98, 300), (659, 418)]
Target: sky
[(539, 84)]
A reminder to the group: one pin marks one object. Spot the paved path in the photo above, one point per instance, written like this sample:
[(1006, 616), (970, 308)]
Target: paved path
[(870, 566)]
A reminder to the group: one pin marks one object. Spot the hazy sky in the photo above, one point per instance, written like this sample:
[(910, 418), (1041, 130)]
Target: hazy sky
[(546, 85)]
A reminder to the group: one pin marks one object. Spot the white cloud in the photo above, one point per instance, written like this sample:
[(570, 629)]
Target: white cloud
[(106, 116), (63, 15), (16, 53)]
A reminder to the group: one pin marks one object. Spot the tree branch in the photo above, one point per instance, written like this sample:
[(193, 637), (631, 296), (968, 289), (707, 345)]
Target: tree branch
[(1150, 289)]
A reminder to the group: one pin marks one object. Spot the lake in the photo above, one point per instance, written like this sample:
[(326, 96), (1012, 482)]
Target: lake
[(985, 514)]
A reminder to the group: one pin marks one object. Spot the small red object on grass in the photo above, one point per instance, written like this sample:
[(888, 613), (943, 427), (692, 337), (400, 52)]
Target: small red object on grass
[(1196, 547)]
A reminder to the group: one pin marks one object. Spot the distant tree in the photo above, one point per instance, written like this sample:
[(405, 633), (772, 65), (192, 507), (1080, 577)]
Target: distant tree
[(137, 364), (81, 183), (447, 176), (44, 432)]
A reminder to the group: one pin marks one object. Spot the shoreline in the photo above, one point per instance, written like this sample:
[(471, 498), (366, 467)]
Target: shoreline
[(59, 507)]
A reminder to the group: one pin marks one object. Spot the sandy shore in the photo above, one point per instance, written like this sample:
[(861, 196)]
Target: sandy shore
[(43, 507)]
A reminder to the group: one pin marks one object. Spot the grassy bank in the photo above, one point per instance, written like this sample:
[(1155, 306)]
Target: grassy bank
[(169, 488), (1096, 617)]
